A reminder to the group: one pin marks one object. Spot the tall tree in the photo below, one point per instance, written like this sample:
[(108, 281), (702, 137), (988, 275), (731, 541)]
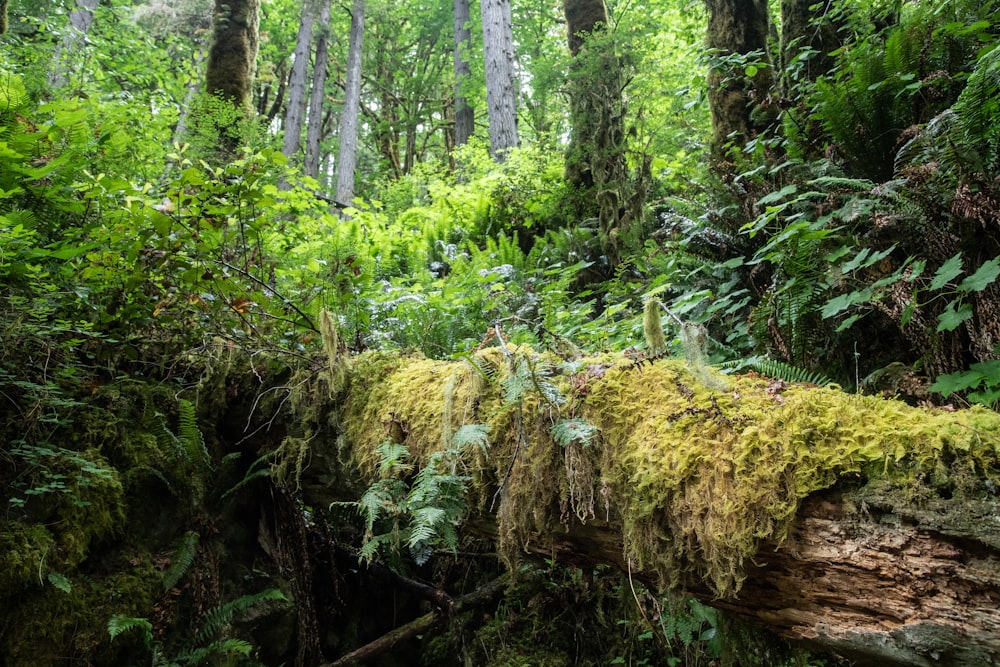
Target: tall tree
[(3, 16), (595, 162), (352, 106), (808, 39), (233, 55), (464, 115), (501, 83), (740, 77), (299, 81), (79, 25), (314, 132)]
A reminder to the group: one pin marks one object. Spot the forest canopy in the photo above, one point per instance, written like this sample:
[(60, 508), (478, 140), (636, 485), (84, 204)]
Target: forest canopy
[(225, 226)]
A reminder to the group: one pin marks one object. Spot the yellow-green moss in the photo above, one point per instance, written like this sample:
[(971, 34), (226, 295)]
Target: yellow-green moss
[(24, 549), (48, 626), (699, 476)]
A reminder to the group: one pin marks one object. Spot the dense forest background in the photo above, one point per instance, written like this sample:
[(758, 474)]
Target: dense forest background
[(203, 207)]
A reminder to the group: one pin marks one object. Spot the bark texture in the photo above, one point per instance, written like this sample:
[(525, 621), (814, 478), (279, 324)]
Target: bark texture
[(352, 106), (736, 28), (232, 57), (3, 16), (298, 83), (501, 83), (464, 114)]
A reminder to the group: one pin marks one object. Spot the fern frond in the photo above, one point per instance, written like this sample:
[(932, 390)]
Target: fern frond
[(782, 371), (471, 434), (119, 624), (182, 560), (219, 617)]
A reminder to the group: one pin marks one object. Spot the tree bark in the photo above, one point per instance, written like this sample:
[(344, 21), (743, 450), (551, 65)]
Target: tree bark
[(464, 114), (881, 584), (232, 57), (79, 25), (501, 84), (3, 16), (352, 107), (736, 28), (595, 163), (805, 26), (298, 82), (314, 133)]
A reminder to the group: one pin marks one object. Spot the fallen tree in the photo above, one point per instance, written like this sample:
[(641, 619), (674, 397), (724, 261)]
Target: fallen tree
[(850, 523)]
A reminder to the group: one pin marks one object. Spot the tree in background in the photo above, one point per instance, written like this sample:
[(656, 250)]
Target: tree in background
[(232, 59), (352, 106), (465, 116), (299, 81), (501, 82), (740, 77), (314, 132), (79, 25)]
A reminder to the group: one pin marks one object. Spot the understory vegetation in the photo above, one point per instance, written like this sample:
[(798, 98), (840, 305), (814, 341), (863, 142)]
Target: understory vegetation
[(238, 418)]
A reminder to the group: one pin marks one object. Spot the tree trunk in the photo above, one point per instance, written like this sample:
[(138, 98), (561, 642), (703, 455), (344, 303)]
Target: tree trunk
[(314, 133), (79, 25), (737, 28), (501, 84), (3, 16), (190, 94), (464, 114), (232, 57), (352, 107), (296, 111), (808, 37), (853, 524), (595, 164)]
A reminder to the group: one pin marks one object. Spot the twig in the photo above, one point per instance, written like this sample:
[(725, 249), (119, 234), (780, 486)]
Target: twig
[(273, 291)]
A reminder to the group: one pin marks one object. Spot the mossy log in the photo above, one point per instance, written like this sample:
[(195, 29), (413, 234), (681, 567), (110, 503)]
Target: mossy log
[(851, 523)]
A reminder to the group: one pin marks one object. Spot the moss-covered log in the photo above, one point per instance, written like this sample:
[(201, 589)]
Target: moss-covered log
[(851, 523)]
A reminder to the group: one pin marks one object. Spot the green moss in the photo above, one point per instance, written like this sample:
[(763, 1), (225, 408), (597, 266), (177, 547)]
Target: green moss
[(700, 477), (48, 626), (23, 552), (703, 478)]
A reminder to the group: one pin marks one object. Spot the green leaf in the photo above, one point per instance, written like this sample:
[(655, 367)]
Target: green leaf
[(985, 275), (60, 581), (947, 272), (777, 196), (952, 317)]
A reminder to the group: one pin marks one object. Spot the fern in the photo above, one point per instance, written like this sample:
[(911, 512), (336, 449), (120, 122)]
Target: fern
[(219, 617), (119, 624), (567, 431), (192, 440), (471, 435), (780, 370), (182, 560)]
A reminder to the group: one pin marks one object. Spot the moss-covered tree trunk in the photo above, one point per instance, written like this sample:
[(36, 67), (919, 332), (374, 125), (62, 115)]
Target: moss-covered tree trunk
[(232, 59), (3, 16), (740, 78), (595, 164), (851, 523)]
